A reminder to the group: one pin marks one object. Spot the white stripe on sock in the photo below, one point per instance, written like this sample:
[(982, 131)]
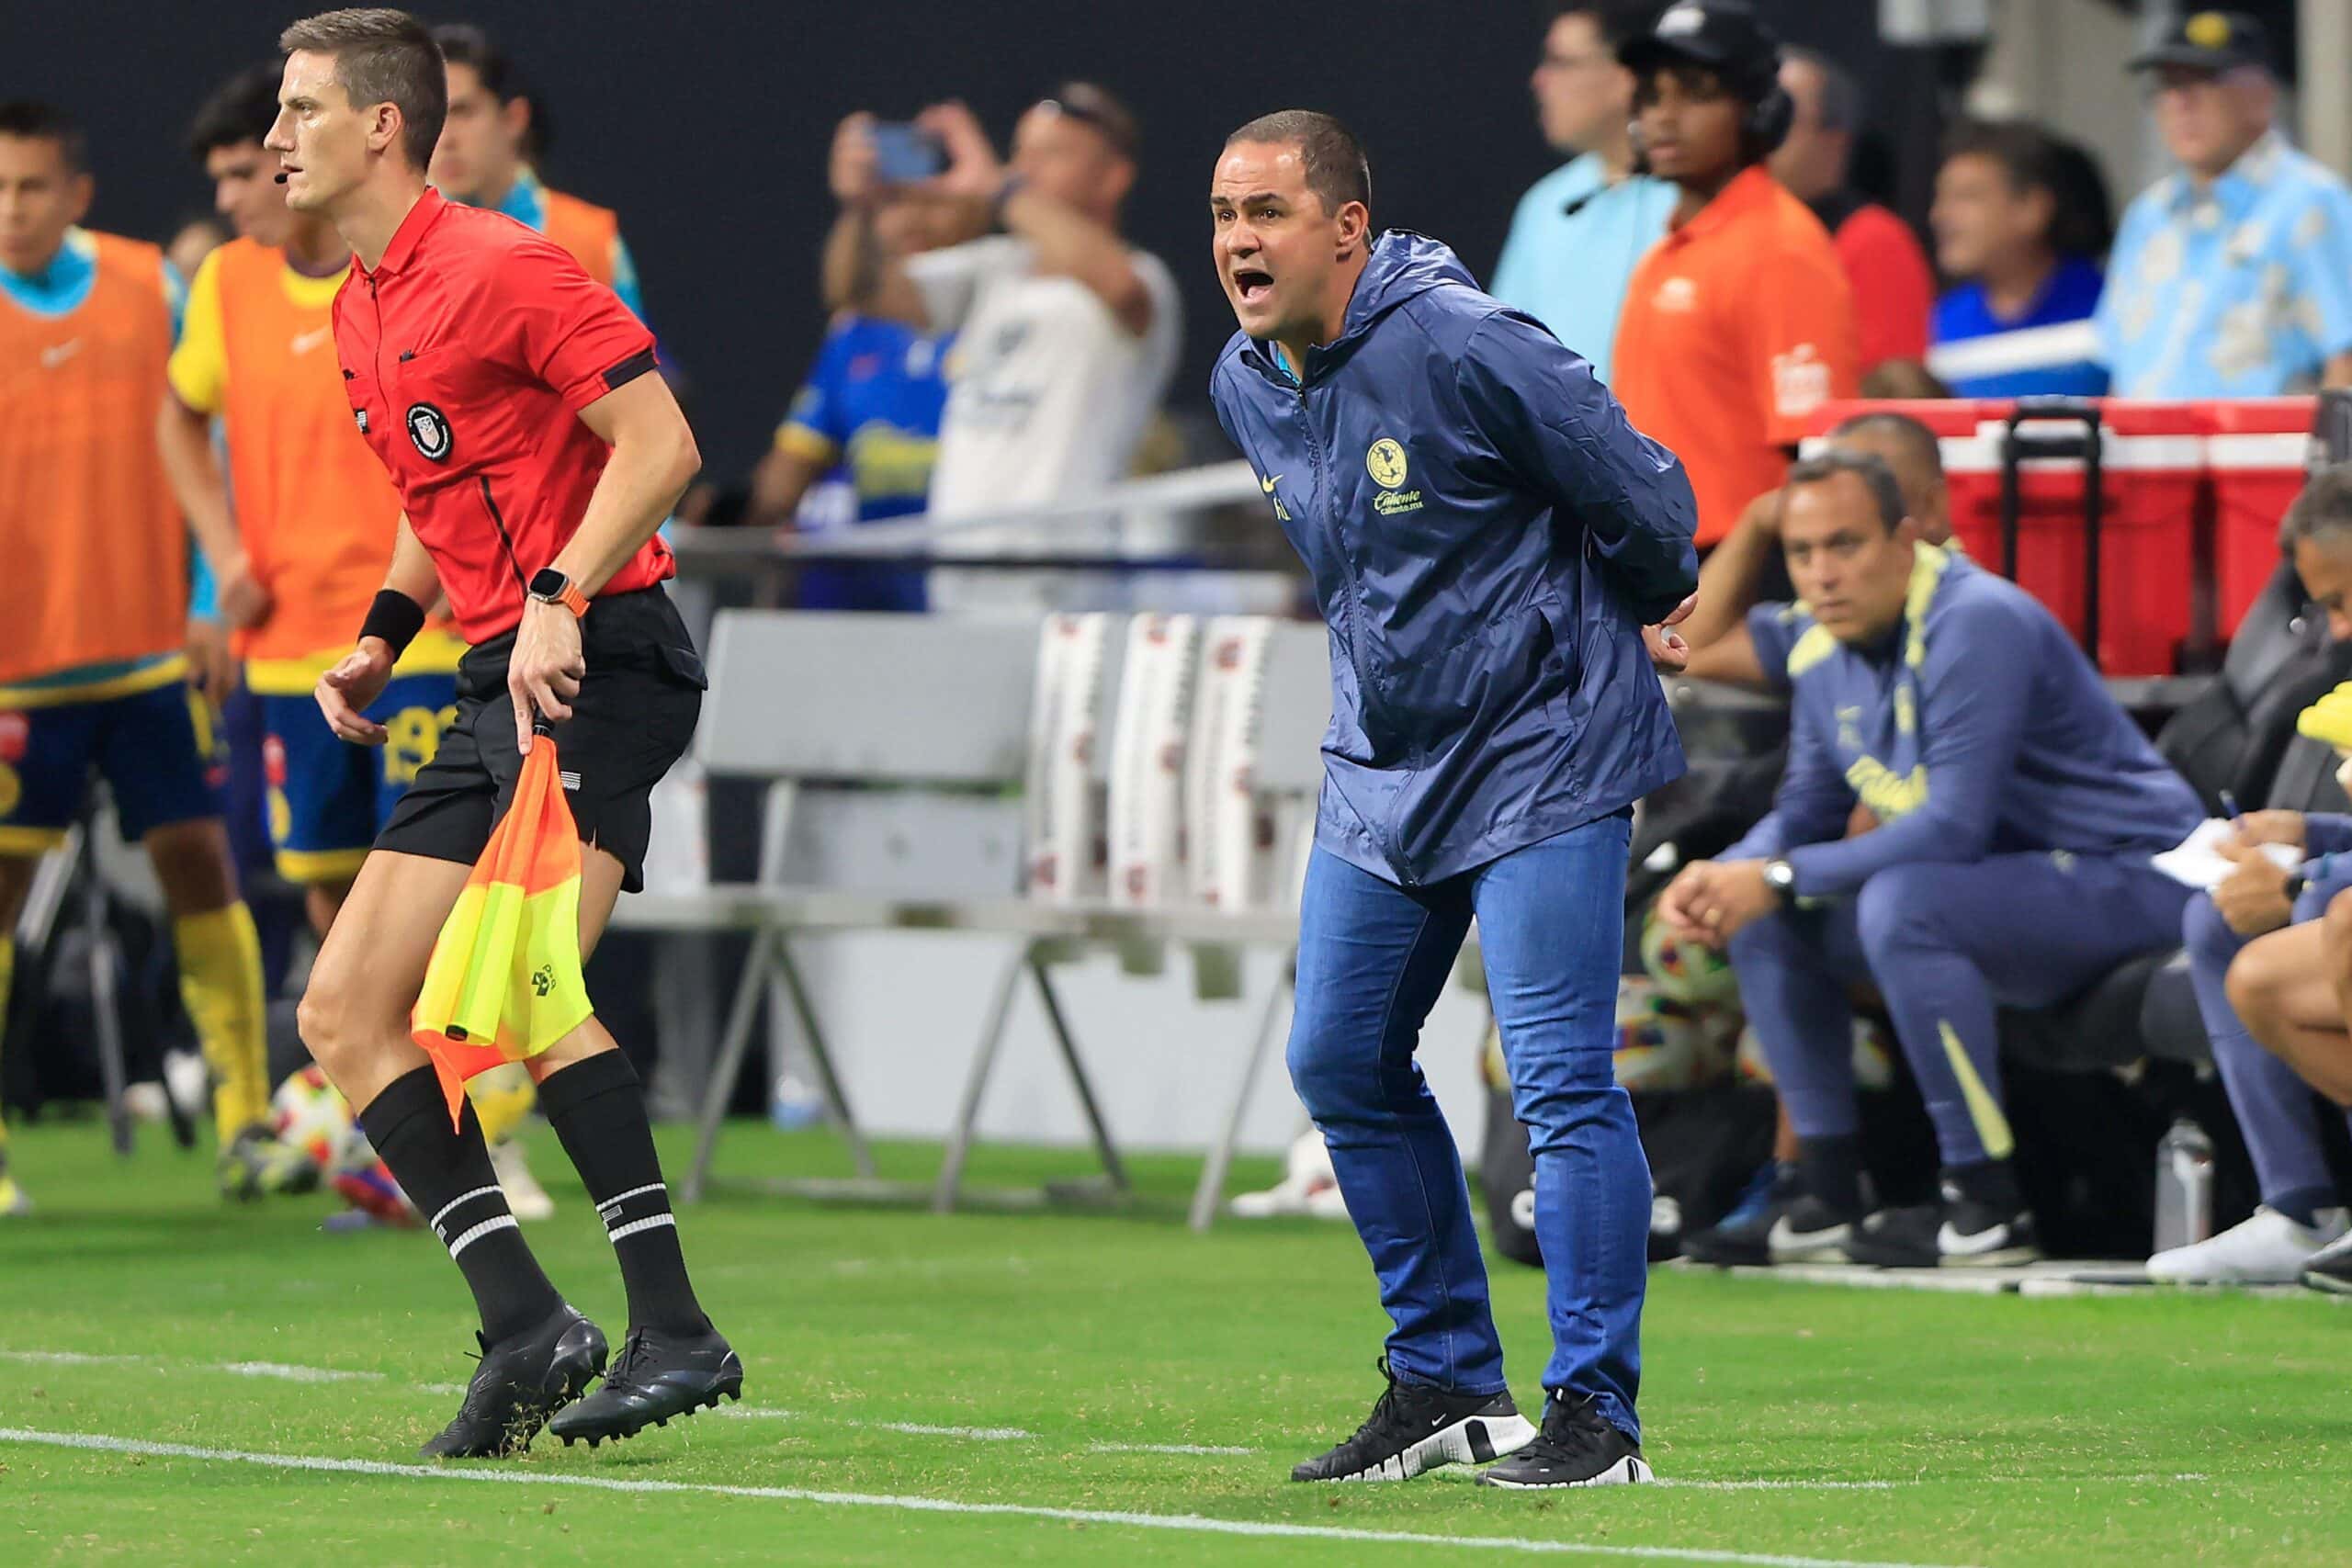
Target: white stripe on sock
[(630, 1229), (463, 1198), (617, 1202), (500, 1222)]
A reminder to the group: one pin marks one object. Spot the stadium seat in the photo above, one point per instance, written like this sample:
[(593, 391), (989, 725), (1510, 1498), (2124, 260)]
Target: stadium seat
[(2231, 737)]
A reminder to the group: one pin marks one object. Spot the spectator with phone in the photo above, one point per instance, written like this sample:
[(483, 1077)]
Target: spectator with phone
[(1065, 335), (863, 430)]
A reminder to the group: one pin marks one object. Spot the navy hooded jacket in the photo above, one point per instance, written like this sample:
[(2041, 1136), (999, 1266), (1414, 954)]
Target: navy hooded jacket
[(1487, 537)]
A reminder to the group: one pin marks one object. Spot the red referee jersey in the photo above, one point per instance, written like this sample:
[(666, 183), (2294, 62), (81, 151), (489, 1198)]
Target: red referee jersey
[(468, 354)]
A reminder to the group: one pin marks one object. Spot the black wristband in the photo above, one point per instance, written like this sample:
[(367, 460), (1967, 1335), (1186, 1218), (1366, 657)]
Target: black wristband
[(395, 617)]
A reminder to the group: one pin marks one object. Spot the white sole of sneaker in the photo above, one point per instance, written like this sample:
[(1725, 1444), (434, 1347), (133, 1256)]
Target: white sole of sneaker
[(1813, 1256), (1626, 1471), (1474, 1439), (2327, 1285), (2000, 1257)]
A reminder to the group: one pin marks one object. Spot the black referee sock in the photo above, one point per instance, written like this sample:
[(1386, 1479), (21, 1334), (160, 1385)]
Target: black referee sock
[(597, 1108), (447, 1174)]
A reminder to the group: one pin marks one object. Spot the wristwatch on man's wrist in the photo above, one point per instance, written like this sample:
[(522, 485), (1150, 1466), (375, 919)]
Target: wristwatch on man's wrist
[(1780, 875), (549, 586)]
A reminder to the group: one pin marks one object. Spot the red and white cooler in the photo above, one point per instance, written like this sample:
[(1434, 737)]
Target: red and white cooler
[(2257, 450), (2151, 459)]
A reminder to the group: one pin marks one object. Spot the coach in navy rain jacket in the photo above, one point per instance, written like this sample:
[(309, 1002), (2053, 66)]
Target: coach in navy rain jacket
[(1488, 537)]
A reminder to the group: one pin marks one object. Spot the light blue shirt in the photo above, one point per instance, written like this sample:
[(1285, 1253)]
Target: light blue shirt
[(1569, 270), (2240, 290)]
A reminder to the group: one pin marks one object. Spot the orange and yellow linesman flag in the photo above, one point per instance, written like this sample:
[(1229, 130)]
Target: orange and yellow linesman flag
[(505, 981)]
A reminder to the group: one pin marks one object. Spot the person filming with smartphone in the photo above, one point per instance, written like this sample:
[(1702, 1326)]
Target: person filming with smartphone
[(1065, 335)]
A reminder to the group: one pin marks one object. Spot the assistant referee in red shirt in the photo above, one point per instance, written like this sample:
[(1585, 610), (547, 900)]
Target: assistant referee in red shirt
[(509, 395)]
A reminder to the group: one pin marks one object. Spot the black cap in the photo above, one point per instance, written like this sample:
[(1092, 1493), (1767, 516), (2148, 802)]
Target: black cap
[(1724, 34), (2210, 40)]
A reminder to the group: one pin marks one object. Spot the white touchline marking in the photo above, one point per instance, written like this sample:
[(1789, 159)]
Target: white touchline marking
[(1192, 1523), (1775, 1485), (295, 1374), (913, 1428), (1467, 1476)]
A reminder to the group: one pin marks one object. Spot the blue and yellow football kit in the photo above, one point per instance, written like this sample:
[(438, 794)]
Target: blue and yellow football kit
[(870, 408)]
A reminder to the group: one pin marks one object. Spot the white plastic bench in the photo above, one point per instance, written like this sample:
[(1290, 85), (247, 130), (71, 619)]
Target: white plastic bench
[(932, 705)]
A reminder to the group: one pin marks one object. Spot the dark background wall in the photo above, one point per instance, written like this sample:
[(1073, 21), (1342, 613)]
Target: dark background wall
[(706, 123)]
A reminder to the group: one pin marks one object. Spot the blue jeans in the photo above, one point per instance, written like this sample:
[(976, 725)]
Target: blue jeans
[(1372, 959)]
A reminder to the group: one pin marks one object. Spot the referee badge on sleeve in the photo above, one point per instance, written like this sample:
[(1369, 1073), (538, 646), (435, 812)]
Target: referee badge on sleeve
[(428, 428), (361, 415)]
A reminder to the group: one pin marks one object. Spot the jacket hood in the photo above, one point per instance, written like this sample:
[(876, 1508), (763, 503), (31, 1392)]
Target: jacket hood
[(1402, 267)]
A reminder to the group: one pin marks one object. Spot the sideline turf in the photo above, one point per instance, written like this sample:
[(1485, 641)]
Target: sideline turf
[(2013, 1431)]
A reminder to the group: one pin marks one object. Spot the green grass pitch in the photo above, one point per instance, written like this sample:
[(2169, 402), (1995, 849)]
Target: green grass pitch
[(1014, 1387)]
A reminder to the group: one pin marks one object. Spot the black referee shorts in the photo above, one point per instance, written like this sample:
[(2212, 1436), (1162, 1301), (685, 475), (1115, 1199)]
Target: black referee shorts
[(632, 719)]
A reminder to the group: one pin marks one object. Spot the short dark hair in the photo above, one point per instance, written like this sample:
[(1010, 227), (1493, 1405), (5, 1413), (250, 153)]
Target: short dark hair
[(1336, 170), (2081, 221), (1867, 466), (1841, 96), (1615, 20), (2324, 508), (241, 109), (32, 121), (1101, 108), (383, 56), (1918, 441), (462, 43)]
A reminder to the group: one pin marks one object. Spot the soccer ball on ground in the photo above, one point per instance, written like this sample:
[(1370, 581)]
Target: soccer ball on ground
[(309, 1113)]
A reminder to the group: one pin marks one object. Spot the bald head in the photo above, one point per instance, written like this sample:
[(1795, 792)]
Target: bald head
[(1911, 451)]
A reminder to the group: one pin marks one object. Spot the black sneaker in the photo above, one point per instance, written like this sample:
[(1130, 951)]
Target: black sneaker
[(1957, 1233), (657, 1375), (2330, 1269), (1575, 1448), (1414, 1428), (1741, 1237), (1810, 1231), (522, 1380)]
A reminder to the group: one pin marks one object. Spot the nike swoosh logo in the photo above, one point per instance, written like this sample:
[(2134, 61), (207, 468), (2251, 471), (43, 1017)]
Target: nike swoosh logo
[(1268, 485), (1953, 1244), (305, 341), (1783, 1238), (58, 353)]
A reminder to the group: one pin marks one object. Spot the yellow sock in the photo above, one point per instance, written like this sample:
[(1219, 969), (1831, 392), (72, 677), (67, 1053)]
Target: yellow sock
[(219, 955), (502, 1097)]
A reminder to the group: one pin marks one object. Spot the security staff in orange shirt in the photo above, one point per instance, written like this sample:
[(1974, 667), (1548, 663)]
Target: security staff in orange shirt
[(1739, 322)]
